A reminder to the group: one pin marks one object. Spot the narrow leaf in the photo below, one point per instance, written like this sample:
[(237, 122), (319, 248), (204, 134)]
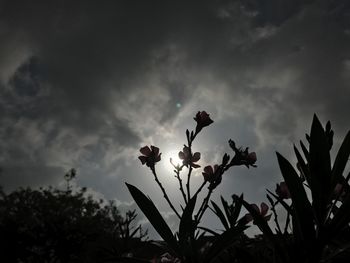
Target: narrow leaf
[(279, 199), (209, 230), (301, 205), (225, 205), (220, 215), (237, 209), (186, 228), (153, 215), (305, 151), (260, 221), (341, 161), (320, 169), (303, 166)]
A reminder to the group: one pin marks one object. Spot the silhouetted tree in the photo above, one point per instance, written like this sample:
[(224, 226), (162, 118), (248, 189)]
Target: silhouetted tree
[(52, 225)]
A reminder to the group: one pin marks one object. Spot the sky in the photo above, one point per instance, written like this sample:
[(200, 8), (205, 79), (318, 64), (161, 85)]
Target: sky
[(86, 84)]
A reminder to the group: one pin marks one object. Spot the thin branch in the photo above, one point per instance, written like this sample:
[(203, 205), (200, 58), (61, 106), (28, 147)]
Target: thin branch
[(204, 205), (200, 188), (287, 223), (177, 175), (274, 213), (188, 182), (164, 193)]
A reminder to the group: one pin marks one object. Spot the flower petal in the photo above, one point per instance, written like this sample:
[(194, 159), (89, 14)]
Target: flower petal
[(215, 168), (208, 169), (196, 156), (268, 217), (248, 217), (143, 159), (251, 158), (181, 155), (157, 158), (264, 208), (195, 165), (186, 151), (206, 176), (256, 208), (145, 151), (155, 150)]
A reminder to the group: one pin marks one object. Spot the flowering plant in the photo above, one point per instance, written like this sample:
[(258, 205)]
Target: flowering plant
[(185, 244), (316, 219)]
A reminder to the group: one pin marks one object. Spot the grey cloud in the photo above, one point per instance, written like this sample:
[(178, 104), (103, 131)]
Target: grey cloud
[(30, 175), (85, 84)]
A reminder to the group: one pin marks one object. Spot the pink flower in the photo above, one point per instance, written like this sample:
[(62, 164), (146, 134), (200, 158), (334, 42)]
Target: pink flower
[(282, 190), (150, 155), (242, 157), (202, 118), (262, 211), (339, 192), (251, 158), (188, 159), (209, 173), (338, 188)]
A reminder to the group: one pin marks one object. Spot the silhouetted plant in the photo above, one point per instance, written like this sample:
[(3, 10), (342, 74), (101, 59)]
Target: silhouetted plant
[(185, 245), (320, 201), (51, 225)]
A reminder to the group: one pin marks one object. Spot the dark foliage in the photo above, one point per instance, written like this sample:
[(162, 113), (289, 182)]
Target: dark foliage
[(51, 225)]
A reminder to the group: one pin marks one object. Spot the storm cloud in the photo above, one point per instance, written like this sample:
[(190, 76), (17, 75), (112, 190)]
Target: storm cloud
[(85, 84)]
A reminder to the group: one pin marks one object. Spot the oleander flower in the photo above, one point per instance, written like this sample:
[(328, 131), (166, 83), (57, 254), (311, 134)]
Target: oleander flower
[(262, 211), (189, 159), (339, 192), (209, 173), (282, 190), (150, 155), (202, 118), (242, 157), (251, 158), (213, 175)]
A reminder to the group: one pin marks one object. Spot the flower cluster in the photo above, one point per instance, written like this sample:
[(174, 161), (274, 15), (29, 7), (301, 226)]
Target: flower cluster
[(242, 157), (317, 209), (264, 208), (212, 175)]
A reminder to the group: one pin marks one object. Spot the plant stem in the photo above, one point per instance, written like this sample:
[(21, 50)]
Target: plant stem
[(188, 182), (287, 223), (200, 188), (275, 217), (204, 206), (338, 196), (164, 193), (177, 172)]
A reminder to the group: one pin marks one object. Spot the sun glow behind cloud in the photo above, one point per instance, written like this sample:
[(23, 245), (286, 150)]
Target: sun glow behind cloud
[(174, 156)]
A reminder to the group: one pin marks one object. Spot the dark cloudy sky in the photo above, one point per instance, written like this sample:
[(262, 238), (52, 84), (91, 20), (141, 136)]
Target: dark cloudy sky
[(85, 84)]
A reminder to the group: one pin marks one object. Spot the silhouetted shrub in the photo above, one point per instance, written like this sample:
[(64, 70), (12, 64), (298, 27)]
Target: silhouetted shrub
[(51, 225)]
